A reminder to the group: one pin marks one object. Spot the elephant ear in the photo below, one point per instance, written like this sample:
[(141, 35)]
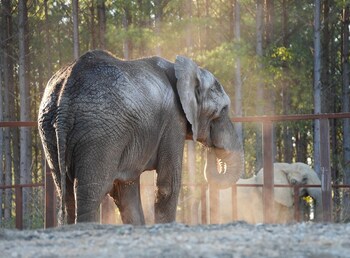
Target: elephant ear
[(282, 195), (188, 88)]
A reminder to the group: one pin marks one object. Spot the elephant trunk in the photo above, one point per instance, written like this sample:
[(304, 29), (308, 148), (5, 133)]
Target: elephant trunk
[(225, 162), (316, 194), (223, 168)]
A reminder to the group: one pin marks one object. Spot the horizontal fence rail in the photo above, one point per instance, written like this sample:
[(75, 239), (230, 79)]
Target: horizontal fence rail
[(284, 118), (274, 118), (21, 186), (18, 124), (266, 121)]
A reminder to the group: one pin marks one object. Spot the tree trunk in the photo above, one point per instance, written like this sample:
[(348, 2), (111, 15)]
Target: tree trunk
[(237, 73), (270, 21), (207, 33), (75, 10), (157, 24), (301, 146), (327, 90), (25, 141), (159, 6), (2, 164), (317, 85), (127, 47), (93, 43), (346, 108), (189, 30), (260, 84), (101, 19), (286, 99), (59, 45), (8, 103), (48, 64)]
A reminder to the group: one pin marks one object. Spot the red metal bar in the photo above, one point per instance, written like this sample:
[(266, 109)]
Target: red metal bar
[(239, 185), (326, 170), (234, 202), (204, 218), (340, 186), (19, 208), (276, 185), (281, 118), (214, 203), (268, 191), (280, 185), (18, 123), (296, 203), (276, 118), (21, 185)]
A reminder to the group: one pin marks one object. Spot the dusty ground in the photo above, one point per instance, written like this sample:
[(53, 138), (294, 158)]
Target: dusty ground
[(178, 240)]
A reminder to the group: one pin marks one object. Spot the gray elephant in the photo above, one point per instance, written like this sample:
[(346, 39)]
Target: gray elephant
[(249, 199), (104, 121)]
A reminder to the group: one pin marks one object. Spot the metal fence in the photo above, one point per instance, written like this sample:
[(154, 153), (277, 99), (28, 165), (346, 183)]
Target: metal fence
[(48, 189)]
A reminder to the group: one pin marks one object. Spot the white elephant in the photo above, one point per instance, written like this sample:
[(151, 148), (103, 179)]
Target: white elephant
[(249, 199)]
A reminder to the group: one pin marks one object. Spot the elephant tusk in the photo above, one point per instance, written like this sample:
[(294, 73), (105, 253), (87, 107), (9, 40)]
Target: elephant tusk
[(221, 166)]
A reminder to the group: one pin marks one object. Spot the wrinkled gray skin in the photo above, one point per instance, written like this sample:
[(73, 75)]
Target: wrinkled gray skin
[(104, 121)]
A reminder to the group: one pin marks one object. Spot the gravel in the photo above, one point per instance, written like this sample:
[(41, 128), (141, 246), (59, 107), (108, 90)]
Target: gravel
[(237, 239)]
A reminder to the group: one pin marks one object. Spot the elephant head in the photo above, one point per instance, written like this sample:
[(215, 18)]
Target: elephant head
[(295, 174), (301, 173), (207, 106)]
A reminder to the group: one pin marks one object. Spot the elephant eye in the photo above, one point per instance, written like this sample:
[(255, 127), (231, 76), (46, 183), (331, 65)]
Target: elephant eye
[(304, 180), (224, 110)]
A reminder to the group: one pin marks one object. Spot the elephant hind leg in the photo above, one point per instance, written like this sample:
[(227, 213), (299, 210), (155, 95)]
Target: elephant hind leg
[(127, 197), (70, 202), (88, 198)]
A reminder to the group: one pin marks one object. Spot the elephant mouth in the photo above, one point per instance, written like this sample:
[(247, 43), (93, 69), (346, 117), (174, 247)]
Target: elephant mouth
[(223, 168)]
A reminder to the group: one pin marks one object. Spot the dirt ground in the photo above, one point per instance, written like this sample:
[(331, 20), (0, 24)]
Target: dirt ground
[(177, 240)]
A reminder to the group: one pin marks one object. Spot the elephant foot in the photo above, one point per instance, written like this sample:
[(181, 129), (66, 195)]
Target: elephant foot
[(127, 219), (92, 216)]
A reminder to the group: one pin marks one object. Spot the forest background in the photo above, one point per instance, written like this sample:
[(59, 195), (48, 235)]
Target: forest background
[(272, 56)]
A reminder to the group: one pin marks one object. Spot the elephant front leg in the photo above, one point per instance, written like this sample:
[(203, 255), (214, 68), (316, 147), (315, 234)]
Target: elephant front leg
[(168, 188), (127, 197), (166, 202)]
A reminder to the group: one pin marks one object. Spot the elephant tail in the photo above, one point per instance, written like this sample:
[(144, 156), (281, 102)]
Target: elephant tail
[(62, 126)]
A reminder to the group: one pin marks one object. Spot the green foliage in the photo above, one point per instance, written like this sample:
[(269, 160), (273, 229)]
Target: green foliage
[(203, 32)]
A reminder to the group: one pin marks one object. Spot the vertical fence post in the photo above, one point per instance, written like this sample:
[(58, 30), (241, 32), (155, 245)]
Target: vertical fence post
[(234, 202), (268, 191), (204, 217), (325, 170), (19, 207), (214, 204), (191, 165), (50, 199), (296, 203)]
